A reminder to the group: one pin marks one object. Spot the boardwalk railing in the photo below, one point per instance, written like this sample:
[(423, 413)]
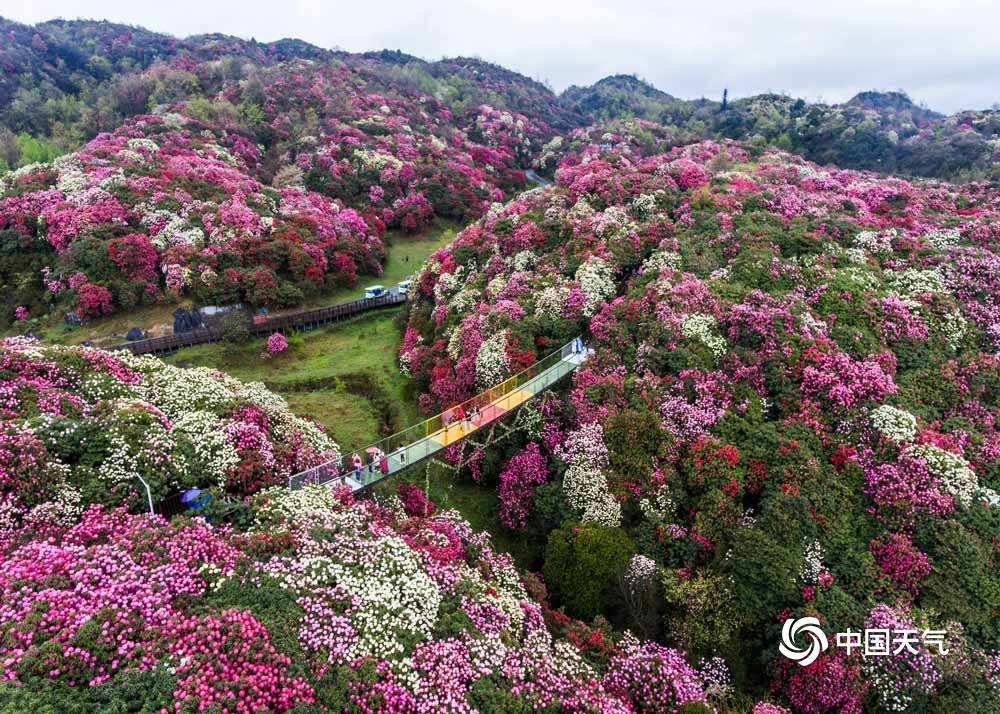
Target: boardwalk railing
[(303, 319), (417, 442)]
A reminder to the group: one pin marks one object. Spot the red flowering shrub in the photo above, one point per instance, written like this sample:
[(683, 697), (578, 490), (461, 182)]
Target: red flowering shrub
[(93, 300), (135, 256)]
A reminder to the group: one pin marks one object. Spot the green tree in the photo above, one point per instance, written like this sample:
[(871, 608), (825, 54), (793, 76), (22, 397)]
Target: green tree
[(583, 565), (34, 150)]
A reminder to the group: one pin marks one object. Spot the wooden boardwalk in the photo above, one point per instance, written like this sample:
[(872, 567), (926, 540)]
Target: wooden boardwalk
[(423, 440), (301, 320)]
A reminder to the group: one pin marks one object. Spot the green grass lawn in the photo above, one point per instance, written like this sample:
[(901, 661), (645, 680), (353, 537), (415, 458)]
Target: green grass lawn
[(316, 372)]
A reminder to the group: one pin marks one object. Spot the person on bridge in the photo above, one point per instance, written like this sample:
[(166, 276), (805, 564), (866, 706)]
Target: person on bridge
[(459, 416), (383, 464), (356, 463)]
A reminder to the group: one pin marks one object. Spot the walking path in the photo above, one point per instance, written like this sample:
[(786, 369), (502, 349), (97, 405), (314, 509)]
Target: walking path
[(418, 442), (536, 179), (298, 320)]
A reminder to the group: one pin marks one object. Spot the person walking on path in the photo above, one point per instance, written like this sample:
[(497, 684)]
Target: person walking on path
[(460, 417), (357, 464), (383, 464)]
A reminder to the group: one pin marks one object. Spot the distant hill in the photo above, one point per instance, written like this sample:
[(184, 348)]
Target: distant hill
[(879, 131), (618, 95), (62, 82)]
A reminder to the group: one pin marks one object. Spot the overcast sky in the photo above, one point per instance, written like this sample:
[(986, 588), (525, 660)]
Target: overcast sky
[(943, 53)]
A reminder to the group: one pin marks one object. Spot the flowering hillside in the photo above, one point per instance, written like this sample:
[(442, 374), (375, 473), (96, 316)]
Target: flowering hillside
[(79, 426), (162, 206), (390, 151), (791, 409), (345, 606), (63, 81)]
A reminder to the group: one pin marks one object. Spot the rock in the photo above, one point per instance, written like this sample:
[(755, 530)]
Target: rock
[(186, 320), (134, 334)]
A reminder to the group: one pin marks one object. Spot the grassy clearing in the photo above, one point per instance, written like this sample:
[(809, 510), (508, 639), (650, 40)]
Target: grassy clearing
[(317, 374), (350, 420)]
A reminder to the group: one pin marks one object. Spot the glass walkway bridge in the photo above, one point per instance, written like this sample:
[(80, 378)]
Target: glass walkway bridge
[(418, 442)]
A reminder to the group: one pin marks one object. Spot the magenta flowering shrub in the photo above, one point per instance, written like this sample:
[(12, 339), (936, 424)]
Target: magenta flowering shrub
[(902, 561), (792, 402), (521, 474), (842, 382), (276, 343), (414, 500)]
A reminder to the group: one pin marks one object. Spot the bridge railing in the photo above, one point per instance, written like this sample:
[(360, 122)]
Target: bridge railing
[(395, 446)]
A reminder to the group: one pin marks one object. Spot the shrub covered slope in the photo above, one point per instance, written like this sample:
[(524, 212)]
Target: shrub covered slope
[(791, 408)]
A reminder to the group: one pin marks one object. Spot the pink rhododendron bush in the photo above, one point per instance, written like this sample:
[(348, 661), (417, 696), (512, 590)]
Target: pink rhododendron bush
[(79, 425), (164, 206), (324, 602), (791, 407)]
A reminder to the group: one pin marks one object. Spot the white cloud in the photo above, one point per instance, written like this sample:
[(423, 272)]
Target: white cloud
[(941, 53)]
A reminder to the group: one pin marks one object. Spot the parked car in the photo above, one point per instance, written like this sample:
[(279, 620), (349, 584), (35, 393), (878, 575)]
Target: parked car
[(375, 291), (403, 287)]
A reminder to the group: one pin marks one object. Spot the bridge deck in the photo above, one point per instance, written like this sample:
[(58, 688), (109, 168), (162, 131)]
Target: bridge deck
[(435, 434)]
